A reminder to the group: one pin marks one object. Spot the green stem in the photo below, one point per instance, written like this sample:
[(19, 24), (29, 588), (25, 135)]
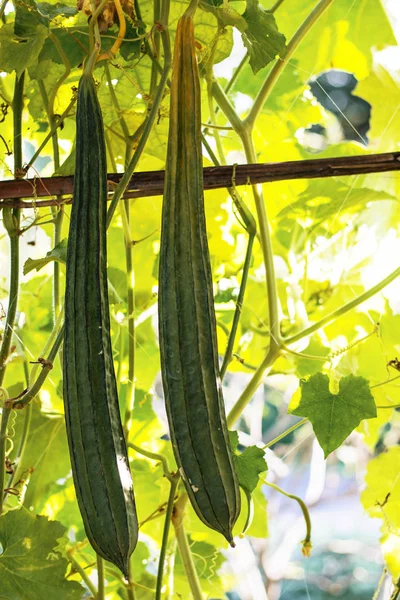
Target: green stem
[(156, 52), (125, 179), (170, 506), (306, 514), (153, 456), (19, 455), (56, 213), (285, 433), (266, 246), (130, 587), (385, 382), (59, 121), (244, 129), (227, 108), (5, 415), (251, 387), (213, 122), (184, 549), (130, 275), (236, 73), (50, 116), (33, 391), (114, 100), (100, 578), (59, 217), (11, 223), (21, 449), (275, 7), (281, 63), (81, 571), (343, 309), (18, 106), (239, 303)]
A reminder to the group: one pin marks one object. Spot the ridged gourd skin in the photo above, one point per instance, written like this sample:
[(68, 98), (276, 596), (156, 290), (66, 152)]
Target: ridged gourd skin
[(187, 325), (97, 446)]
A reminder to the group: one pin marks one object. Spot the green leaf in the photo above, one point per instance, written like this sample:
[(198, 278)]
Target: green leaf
[(31, 566), (58, 253), (249, 464), (46, 455), (16, 54), (261, 37), (334, 416), (381, 498), (320, 200), (29, 14)]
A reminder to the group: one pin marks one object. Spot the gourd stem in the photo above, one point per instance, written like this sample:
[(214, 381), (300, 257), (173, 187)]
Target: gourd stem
[(281, 63), (100, 578), (122, 185), (168, 514), (184, 548)]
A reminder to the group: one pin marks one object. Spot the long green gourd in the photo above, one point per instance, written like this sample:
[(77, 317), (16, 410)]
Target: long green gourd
[(189, 356), (97, 447)]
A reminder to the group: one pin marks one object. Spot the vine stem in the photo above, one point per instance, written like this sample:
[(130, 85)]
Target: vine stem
[(343, 309), (281, 63), (266, 246), (174, 480), (275, 7), (307, 540), (285, 433), (81, 571), (5, 415), (19, 455), (184, 548), (100, 578), (130, 275), (238, 310), (47, 366), (11, 222), (251, 387), (57, 122)]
